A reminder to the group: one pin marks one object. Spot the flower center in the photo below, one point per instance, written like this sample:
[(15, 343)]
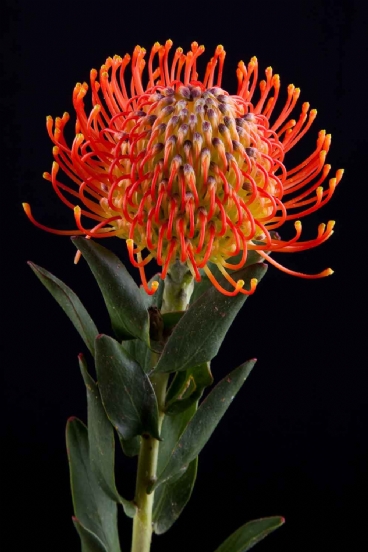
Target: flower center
[(192, 172)]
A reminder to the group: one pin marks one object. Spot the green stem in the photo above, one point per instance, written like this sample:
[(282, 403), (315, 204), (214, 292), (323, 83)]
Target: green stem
[(147, 465), (177, 291)]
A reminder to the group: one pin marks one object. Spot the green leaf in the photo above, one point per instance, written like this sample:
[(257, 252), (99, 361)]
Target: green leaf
[(187, 387), (124, 301), (90, 542), (70, 304), (171, 319), (249, 534), (202, 424), (199, 333), (102, 442), (171, 431), (204, 284), (130, 446), (172, 497), (139, 351), (95, 511), (127, 393)]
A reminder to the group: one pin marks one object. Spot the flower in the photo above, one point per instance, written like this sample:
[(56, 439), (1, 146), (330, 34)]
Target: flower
[(184, 169)]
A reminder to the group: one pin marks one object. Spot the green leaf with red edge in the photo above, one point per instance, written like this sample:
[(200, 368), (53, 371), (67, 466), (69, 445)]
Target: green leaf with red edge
[(124, 302), (200, 331), (94, 510), (250, 534), (102, 442), (70, 304), (126, 391), (201, 426)]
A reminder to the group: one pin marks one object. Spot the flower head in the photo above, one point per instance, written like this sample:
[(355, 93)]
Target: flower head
[(179, 167)]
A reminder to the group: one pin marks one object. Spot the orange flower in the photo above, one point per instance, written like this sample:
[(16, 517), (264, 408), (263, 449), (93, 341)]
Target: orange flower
[(185, 170)]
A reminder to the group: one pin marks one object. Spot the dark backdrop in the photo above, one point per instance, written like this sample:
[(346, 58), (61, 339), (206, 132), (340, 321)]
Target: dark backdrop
[(295, 440)]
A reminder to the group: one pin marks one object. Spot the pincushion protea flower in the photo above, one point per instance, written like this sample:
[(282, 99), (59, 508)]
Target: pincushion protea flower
[(184, 169)]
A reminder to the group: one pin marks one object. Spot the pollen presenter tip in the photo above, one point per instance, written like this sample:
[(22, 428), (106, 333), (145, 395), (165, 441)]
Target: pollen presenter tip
[(253, 284), (154, 286)]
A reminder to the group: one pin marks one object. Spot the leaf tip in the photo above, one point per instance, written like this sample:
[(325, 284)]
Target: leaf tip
[(33, 266), (76, 240)]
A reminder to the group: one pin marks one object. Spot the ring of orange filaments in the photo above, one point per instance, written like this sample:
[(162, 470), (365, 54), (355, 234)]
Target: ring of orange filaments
[(181, 168)]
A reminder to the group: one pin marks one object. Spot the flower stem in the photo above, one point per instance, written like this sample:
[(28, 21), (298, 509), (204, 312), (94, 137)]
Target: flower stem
[(147, 464), (177, 291)]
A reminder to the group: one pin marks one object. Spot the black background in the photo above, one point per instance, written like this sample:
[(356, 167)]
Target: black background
[(294, 442)]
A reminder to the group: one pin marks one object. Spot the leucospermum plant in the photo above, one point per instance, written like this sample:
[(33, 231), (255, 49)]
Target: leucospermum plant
[(194, 178)]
